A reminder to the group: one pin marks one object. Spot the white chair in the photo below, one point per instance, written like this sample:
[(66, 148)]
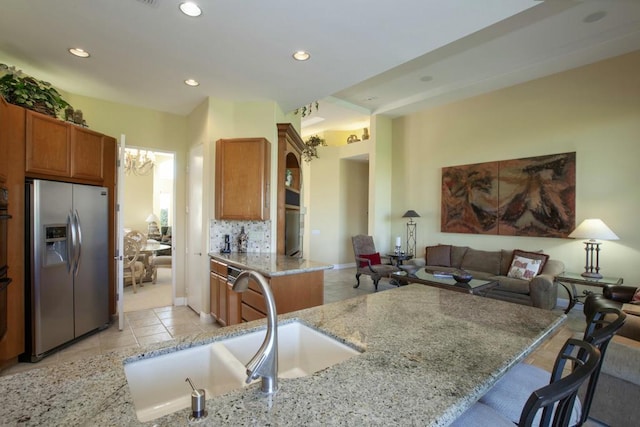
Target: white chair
[(159, 261), (134, 269)]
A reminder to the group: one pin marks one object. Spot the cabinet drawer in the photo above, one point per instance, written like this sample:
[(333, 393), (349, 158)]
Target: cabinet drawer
[(218, 268), (249, 314), (253, 285), (255, 300)]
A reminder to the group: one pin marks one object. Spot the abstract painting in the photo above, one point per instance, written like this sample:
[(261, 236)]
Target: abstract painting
[(534, 196), (470, 199)]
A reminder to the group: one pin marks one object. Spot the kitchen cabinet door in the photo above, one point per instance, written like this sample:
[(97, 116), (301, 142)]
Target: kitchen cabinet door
[(48, 143), (58, 149), (214, 296), (4, 141), (87, 154), (242, 179), (234, 306), (222, 301)]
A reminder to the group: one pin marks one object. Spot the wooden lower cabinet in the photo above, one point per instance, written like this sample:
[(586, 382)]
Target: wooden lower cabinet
[(234, 306), (213, 296), (224, 302), (291, 292)]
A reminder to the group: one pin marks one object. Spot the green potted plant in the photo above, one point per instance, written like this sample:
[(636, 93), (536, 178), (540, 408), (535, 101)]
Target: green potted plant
[(311, 147), (23, 90)]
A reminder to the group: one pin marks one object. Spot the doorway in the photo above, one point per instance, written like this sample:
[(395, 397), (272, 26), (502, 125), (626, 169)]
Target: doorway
[(149, 207)]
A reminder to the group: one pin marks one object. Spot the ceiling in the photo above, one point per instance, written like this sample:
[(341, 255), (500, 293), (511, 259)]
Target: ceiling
[(366, 57)]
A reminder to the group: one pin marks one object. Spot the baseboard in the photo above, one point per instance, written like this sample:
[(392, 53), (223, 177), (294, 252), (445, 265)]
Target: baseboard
[(180, 301), (341, 266)]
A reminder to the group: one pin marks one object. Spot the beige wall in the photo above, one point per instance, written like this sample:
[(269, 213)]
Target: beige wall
[(593, 110), (138, 201), (149, 129), (354, 204)]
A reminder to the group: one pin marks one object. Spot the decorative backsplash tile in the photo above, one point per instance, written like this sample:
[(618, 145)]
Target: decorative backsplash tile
[(259, 233)]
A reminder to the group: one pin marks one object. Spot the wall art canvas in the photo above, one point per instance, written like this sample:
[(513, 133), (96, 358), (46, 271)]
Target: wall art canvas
[(470, 199), (533, 196)]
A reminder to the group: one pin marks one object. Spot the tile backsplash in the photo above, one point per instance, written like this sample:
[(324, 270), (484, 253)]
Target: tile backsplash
[(259, 233)]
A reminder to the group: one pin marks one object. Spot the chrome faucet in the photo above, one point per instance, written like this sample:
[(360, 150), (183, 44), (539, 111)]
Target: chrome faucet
[(265, 362)]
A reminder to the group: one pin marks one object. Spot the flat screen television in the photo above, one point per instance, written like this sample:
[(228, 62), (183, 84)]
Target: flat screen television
[(292, 233)]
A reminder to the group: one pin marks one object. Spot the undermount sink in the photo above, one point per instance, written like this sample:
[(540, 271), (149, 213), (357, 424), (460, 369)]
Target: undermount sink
[(158, 384)]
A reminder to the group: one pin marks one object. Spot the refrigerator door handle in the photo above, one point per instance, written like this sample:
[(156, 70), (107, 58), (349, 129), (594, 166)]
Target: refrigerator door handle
[(78, 245), (71, 239)]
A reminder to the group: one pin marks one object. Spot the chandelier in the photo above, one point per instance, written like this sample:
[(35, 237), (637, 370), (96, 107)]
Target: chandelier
[(138, 162)]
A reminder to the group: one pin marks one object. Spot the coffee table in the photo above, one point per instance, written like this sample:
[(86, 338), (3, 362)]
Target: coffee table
[(475, 286)]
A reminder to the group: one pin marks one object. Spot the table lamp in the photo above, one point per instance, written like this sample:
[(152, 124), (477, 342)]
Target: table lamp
[(593, 229), (411, 231)]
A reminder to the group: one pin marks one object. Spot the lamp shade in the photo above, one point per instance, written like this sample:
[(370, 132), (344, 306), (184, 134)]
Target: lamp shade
[(593, 229), (152, 218), (410, 214)]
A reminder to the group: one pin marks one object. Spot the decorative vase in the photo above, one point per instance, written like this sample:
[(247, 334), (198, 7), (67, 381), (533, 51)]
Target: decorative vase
[(77, 117), (242, 241)]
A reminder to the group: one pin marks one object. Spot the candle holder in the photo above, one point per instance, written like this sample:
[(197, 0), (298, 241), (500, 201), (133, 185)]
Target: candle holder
[(398, 249)]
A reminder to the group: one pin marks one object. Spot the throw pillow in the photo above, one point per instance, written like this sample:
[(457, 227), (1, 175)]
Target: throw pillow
[(533, 255), (636, 297), (374, 258), (524, 268), (439, 255)]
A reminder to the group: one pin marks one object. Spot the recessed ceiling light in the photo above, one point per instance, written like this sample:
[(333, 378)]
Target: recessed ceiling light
[(426, 78), (301, 55), (191, 82), (594, 17), (189, 8), (80, 53)]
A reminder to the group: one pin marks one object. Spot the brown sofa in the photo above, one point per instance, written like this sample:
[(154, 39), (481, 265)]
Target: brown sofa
[(540, 291), (616, 398)]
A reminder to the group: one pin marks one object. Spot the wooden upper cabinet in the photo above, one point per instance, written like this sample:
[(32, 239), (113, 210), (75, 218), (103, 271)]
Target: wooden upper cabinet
[(4, 141), (290, 146), (59, 149), (242, 178), (87, 153), (48, 145)]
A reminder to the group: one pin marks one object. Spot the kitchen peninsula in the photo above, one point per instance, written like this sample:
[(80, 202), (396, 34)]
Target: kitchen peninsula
[(296, 284), (428, 354)]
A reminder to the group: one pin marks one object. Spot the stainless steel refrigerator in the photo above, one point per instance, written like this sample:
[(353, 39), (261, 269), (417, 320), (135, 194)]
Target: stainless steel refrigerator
[(67, 236)]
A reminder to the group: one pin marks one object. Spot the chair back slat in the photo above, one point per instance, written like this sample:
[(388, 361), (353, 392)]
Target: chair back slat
[(557, 399), (601, 327)]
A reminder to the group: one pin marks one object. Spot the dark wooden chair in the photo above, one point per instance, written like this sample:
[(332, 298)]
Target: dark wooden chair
[(550, 405), (508, 395)]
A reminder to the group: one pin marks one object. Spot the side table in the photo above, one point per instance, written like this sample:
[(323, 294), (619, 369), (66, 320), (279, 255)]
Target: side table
[(397, 259), (569, 281)]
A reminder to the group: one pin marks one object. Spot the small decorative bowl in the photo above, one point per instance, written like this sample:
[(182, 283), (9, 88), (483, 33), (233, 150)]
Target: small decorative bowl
[(462, 276)]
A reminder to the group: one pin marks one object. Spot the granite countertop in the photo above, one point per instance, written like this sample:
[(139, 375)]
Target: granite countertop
[(270, 264), (428, 355)]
